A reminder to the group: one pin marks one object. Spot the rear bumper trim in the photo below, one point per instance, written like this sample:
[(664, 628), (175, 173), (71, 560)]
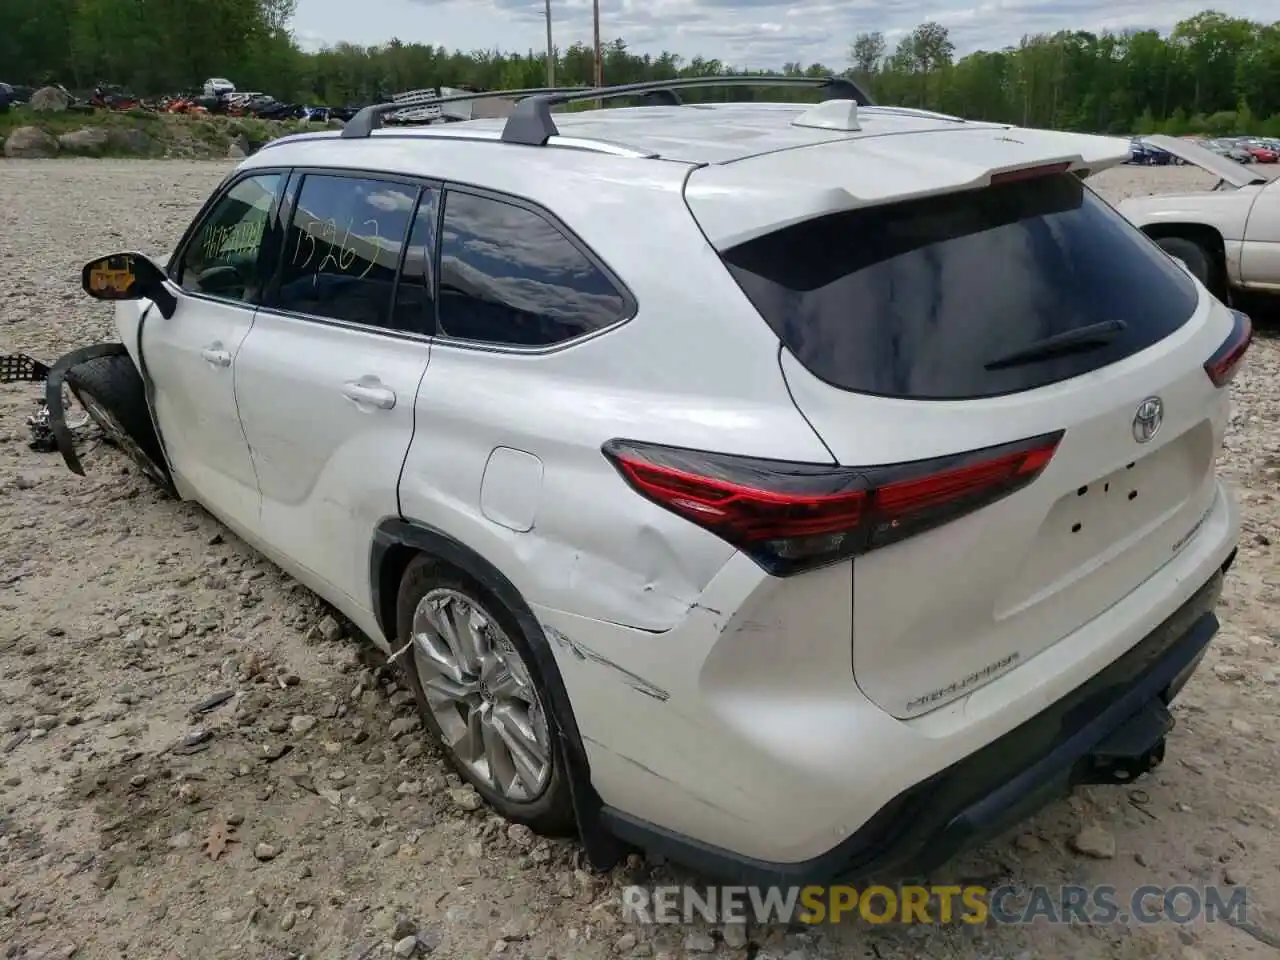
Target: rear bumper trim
[(1118, 719)]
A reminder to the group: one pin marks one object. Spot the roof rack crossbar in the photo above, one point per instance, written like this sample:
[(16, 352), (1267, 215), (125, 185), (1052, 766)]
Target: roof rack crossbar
[(531, 123), (367, 119)]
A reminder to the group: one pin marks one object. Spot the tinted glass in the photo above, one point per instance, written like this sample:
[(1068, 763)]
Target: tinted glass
[(415, 308), (508, 276), (343, 248), (222, 258), (915, 299)]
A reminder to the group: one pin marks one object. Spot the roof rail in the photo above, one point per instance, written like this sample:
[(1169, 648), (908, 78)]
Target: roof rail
[(367, 119), (531, 122)]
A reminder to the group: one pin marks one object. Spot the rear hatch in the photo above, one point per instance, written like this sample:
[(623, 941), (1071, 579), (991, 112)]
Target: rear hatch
[(1021, 319)]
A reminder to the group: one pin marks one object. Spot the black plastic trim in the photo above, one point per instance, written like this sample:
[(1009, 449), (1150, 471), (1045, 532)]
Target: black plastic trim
[(987, 792), (53, 397), (392, 532)]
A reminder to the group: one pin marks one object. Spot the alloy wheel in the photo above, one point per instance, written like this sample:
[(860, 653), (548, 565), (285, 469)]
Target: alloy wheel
[(481, 696)]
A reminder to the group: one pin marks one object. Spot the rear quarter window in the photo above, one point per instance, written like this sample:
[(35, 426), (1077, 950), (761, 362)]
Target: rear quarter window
[(915, 299)]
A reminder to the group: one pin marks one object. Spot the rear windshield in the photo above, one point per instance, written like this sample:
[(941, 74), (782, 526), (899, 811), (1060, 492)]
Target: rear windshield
[(915, 299)]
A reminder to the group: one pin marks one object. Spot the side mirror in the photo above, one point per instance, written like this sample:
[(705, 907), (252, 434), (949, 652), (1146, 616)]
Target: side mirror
[(127, 276)]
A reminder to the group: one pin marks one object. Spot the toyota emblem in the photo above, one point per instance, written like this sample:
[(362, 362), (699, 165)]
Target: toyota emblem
[(1147, 420)]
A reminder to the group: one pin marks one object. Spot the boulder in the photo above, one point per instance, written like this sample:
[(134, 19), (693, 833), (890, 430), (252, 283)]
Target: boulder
[(240, 147), (49, 100), (131, 140), (27, 143), (90, 141)]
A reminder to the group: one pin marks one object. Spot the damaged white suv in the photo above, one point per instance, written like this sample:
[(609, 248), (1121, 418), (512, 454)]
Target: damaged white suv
[(797, 490)]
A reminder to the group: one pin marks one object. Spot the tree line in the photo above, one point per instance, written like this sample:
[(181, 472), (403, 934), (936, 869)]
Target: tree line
[(1212, 73)]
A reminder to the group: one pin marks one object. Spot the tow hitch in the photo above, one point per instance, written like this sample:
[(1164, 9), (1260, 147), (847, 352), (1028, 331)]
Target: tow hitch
[(1134, 748)]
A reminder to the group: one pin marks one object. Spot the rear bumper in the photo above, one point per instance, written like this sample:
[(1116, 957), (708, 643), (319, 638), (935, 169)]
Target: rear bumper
[(1117, 718)]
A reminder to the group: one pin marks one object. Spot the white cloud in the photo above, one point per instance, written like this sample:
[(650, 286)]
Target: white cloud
[(748, 33)]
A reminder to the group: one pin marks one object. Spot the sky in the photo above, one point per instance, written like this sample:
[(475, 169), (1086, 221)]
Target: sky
[(743, 33)]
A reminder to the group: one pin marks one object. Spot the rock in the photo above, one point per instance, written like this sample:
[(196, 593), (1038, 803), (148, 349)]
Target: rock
[(177, 630), (183, 840), (402, 725), (239, 147), (735, 935), (465, 799), (30, 143), (699, 942), (49, 100), (404, 927), (521, 835), (409, 788), (131, 140), (90, 141), (288, 920), (266, 852), (1229, 672), (625, 943), (1094, 842), (329, 628), (302, 723), (406, 947), (369, 815)]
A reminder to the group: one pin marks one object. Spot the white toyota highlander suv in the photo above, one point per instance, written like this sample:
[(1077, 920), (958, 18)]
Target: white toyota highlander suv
[(797, 490)]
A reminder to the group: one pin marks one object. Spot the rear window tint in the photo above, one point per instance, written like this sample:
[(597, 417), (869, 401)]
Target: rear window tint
[(914, 299)]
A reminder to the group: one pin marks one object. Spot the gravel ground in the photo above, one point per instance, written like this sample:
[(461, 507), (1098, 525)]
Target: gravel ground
[(120, 611)]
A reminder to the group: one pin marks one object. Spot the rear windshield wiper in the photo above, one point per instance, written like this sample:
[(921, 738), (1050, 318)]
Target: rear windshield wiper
[(1078, 340)]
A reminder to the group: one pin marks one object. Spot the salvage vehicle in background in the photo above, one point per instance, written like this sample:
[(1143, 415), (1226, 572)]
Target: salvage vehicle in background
[(830, 511), (1228, 237)]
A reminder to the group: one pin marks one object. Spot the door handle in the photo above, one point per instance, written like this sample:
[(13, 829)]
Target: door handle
[(369, 394), (217, 356)]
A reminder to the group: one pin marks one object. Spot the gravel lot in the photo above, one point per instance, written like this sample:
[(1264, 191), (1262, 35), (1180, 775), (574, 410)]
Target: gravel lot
[(120, 611)]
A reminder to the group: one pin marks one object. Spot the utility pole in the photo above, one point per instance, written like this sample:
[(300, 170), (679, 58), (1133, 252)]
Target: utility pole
[(551, 51), (595, 11)]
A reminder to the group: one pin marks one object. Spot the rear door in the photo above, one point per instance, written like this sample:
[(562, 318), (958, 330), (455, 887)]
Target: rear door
[(326, 380), (927, 328)]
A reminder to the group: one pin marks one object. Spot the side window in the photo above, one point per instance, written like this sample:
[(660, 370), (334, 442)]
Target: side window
[(342, 248), (508, 276), (223, 259), (415, 308)]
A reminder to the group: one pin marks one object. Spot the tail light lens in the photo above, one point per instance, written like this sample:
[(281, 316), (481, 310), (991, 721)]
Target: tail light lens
[(791, 517), (1225, 362)]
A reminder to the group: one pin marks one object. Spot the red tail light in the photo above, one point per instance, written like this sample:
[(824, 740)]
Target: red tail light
[(1225, 362), (791, 517)]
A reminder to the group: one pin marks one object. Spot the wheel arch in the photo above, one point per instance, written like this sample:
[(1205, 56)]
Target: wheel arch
[(1207, 236), (396, 542)]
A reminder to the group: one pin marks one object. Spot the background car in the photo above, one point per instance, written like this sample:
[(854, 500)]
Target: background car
[(1228, 237)]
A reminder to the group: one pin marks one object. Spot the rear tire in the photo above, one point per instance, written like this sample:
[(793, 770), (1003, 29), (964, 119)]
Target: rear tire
[(502, 693), (1197, 259), (111, 390)]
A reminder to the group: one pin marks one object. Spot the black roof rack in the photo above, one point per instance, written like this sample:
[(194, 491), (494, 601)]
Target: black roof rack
[(367, 119), (531, 122)]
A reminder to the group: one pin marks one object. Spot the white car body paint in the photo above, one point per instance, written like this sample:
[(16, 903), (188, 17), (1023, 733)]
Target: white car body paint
[(1247, 217), (768, 716)]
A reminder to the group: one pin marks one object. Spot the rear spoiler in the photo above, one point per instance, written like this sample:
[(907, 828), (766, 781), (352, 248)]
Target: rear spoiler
[(737, 202)]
